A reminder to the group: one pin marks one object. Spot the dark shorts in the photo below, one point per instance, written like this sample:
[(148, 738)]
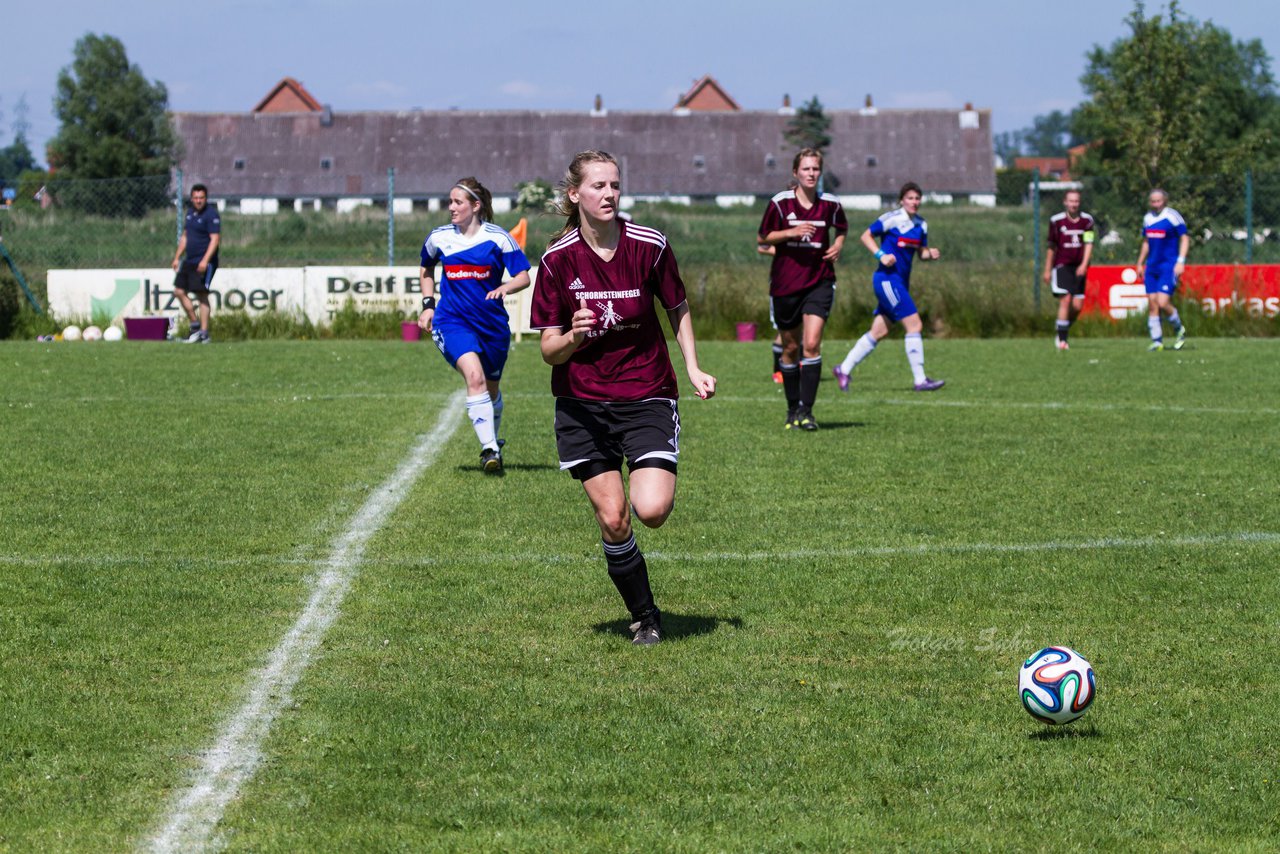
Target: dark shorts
[(788, 312), (190, 279), (595, 436), (1064, 281)]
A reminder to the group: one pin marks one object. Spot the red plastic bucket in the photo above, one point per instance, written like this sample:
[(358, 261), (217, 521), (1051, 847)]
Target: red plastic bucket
[(746, 331), (409, 331)]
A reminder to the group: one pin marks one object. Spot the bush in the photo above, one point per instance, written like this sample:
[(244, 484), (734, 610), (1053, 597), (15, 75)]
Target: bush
[(1011, 186), (10, 300)]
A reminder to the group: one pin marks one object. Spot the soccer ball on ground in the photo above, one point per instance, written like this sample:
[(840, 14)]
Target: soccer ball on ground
[(71, 333), (92, 333), (112, 333), (1056, 685)]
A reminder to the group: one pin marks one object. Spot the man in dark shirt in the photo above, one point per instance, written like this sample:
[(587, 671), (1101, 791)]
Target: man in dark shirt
[(1066, 263), (196, 260)]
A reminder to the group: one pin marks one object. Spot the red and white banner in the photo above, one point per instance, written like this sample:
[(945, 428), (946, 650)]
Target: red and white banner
[(1118, 292)]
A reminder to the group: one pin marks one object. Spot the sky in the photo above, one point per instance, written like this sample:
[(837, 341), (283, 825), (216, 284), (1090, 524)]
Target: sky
[(1018, 58)]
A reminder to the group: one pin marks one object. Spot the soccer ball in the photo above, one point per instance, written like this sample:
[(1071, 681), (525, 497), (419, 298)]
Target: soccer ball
[(112, 333), (92, 333), (71, 333), (1056, 685)]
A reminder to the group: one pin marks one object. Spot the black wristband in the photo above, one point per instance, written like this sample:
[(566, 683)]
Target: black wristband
[(428, 302)]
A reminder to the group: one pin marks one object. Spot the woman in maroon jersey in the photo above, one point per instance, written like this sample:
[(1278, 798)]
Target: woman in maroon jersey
[(802, 280), (612, 377)]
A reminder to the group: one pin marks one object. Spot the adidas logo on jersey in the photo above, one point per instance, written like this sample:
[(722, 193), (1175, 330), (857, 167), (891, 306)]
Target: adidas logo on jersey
[(576, 285)]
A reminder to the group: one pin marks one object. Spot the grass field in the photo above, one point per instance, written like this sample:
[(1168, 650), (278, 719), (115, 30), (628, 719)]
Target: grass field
[(846, 611)]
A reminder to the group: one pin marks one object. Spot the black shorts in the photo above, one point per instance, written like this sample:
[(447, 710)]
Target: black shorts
[(1064, 281), (190, 279), (595, 436), (788, 312)]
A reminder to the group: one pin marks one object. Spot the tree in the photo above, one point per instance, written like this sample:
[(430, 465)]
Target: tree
[(808, 127), (114, 125), (1050, 135), (17, 158), (1008, 145), (1176, 104)]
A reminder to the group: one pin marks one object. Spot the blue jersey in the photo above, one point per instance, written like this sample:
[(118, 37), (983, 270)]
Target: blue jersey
[(472, 267), (901, 235), (199, 226), (1162, 232)]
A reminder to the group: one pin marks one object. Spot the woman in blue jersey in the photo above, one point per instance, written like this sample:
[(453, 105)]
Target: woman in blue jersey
[(902, 235), (470, 324)]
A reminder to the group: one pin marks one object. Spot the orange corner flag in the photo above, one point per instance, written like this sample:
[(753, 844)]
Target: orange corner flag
[(521, 232)]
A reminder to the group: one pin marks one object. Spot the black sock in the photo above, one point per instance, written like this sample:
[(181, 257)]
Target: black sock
[(791, 385), (810, 374), (1063, 327), (777, 358), (630, 575)]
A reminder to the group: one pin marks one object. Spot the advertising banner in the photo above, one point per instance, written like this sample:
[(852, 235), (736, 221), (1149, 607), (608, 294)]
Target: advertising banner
[(316, 293), (1117, 292)]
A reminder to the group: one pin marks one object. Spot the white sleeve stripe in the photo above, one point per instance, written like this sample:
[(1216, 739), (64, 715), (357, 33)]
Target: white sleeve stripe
[(659, 242)]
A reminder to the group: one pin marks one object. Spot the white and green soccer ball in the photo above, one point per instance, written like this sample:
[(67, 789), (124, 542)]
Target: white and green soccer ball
[(1056, 685), (71, 333)]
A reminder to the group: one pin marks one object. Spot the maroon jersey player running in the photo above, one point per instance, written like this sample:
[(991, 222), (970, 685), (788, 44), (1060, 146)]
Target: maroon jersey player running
[(611, 374), (802, 280)]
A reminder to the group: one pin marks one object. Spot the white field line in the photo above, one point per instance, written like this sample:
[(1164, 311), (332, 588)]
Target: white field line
[(192, 818), (932, 400), (1053, 405), (1100, 544)]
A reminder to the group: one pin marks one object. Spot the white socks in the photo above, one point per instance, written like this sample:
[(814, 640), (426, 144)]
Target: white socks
[(1153, 324), (915, 355), (861, 350), (480, 411)]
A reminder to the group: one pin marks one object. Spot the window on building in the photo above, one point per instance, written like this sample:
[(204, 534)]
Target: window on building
[(770, 162), (238, 163), (699, 163), (872, 161), (326, 162)]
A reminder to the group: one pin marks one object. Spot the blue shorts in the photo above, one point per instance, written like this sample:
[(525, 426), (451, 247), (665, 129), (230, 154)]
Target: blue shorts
[(1160, 280), (893, 300), (458, 339)]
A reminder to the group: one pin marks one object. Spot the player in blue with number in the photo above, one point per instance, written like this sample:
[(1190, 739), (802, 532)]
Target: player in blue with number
[(902, 235), (1164, 250), (470, 325)]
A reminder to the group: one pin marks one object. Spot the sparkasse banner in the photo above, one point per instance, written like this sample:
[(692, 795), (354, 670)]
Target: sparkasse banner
[(1118, 292), (316, 293)]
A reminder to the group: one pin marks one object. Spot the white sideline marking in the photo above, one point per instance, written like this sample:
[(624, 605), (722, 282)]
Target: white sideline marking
[(231, 761), (930, 401), (1242, 537), (934, 400), (1101, 544)]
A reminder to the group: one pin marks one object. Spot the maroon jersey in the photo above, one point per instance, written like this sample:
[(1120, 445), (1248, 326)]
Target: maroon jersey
[(798, 264), (625, 356), (1068, 237)]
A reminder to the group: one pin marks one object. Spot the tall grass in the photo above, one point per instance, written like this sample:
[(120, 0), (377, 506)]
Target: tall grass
[(984, 285)]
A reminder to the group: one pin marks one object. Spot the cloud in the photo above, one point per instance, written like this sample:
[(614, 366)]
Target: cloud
[(520, 89)]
